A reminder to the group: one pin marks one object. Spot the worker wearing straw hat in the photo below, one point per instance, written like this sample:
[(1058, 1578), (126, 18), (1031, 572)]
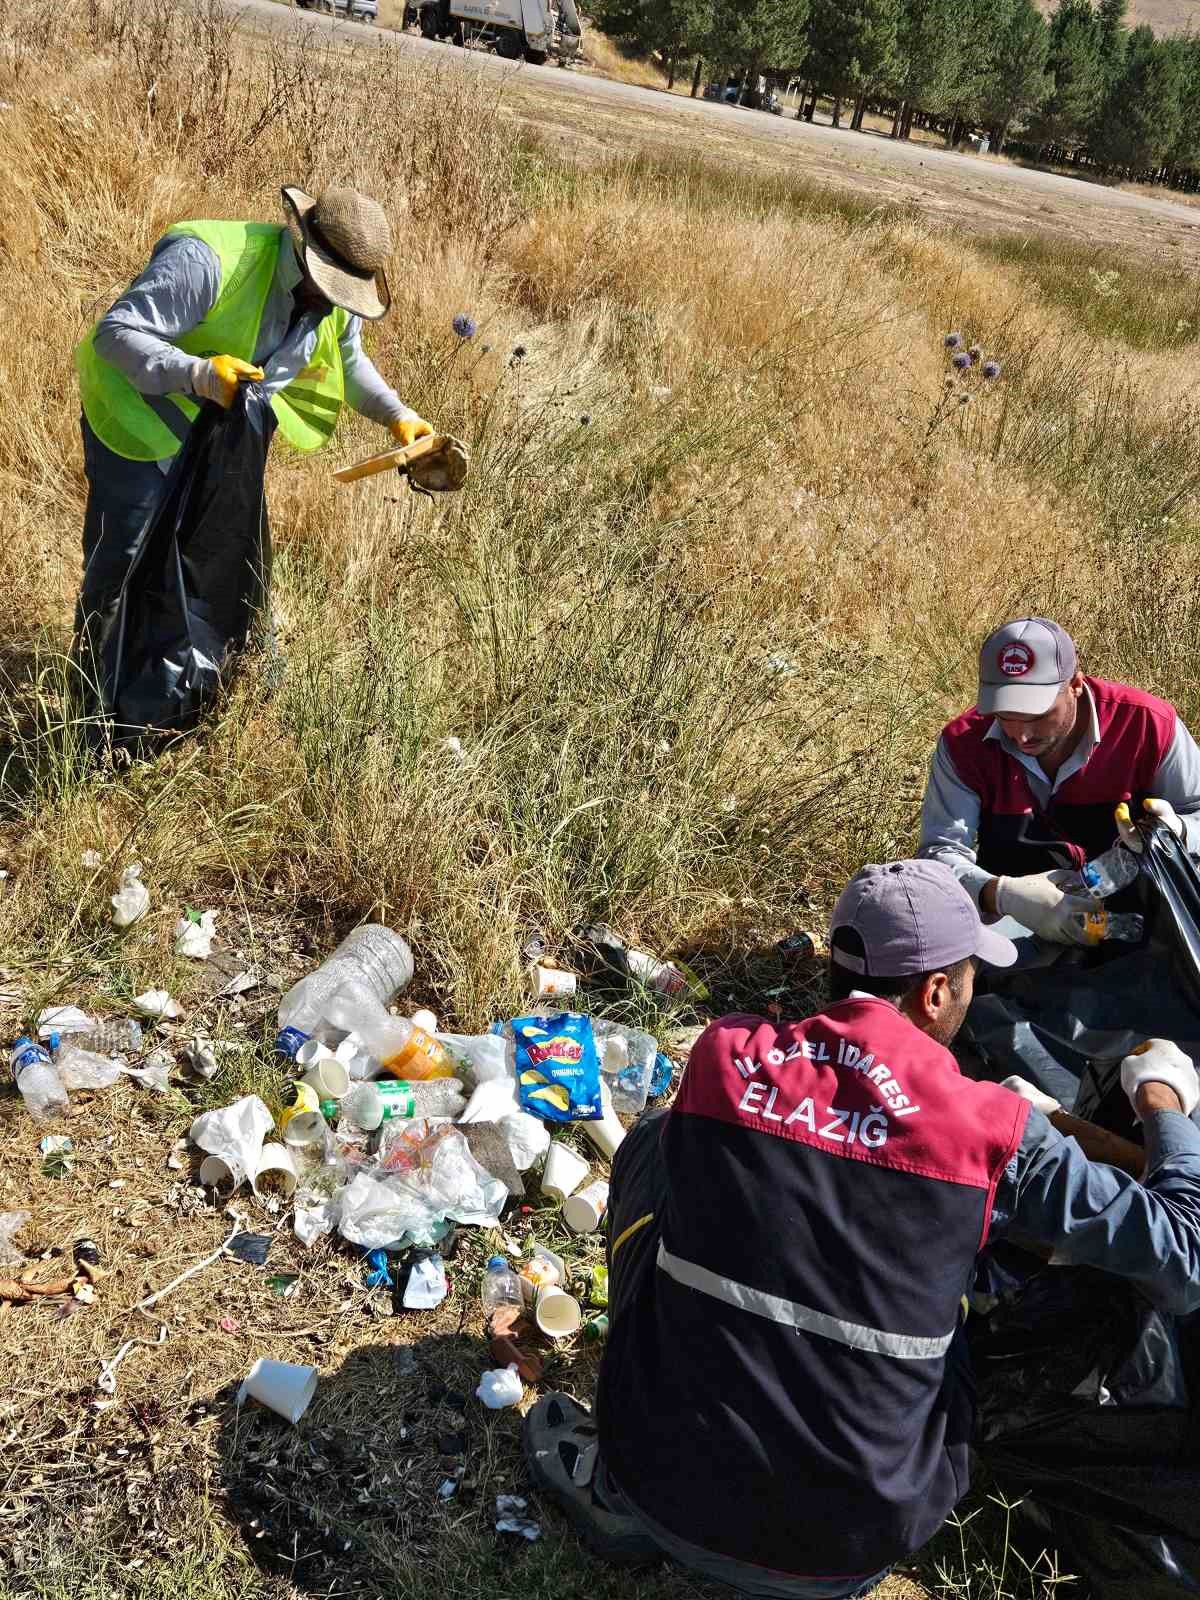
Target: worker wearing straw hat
[(218, 305)]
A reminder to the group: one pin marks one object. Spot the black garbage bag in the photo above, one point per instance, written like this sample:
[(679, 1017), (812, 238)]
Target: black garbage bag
[(198, 579), (1085, 1416)]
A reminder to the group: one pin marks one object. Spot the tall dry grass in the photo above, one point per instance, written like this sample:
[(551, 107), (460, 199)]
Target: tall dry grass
[(718, 577)]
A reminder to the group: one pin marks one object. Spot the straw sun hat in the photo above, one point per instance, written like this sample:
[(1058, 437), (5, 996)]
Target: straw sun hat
[(342, 241)]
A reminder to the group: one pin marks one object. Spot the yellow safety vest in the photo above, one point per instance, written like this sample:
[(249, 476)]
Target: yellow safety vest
[(306, 409)]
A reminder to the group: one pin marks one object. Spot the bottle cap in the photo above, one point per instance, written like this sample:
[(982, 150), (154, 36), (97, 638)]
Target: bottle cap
[(497, 1264)]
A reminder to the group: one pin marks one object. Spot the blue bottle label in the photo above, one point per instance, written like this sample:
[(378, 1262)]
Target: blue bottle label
[(27, 1054), (288, 1042)]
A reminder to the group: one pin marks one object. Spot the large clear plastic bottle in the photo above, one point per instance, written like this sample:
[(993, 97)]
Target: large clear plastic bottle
[(119, 1038), (501, 1292), (367, 970), (396, 1043), (35, 1076)]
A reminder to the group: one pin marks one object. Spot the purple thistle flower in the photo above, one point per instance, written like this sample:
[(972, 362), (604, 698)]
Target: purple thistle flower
[(464, 325), (975, 353), (586, 419), (519, 352), (952, 341), (961, 361), (992, 369)]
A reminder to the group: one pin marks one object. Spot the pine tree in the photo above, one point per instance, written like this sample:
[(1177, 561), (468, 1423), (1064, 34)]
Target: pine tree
[(1017, 82), (761, 33), (926, 58), (1140, 119), (853, 46), (1075, 67), (1112, 39), (1185, 149)]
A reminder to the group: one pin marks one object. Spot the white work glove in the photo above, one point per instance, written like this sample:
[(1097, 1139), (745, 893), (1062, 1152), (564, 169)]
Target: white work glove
[(1039, 904), (1045, 1103), (1160, 1061), (1162, 809)]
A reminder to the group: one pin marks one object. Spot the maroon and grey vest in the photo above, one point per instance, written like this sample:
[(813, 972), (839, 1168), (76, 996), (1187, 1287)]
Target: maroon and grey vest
[(1019, 836), (789, 1386)]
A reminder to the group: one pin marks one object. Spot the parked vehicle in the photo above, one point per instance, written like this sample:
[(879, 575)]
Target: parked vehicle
[(756, 96), (354, 10), (534, 29)]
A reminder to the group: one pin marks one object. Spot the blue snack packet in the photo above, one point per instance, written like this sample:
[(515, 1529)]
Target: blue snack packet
[(558, 1068)]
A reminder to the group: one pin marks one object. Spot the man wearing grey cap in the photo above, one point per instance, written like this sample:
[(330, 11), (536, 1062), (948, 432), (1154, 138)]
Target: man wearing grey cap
[(1023, 786), (785, 1403)]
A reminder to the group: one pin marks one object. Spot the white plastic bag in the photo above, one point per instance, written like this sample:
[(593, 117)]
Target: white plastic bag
[(132, 899), (499, 1388), (528, 1138), (195, 939), (484, 1055), (235, 1134), (492, 1100)]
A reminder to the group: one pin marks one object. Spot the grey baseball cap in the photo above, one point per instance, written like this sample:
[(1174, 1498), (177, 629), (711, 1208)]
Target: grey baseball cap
[(1023, 665), (913, 917)]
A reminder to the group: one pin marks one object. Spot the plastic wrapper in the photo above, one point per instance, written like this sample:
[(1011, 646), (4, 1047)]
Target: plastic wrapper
[(426, 1176), (528, 1139), (63, 1020), (235, 1134), (156, 1074), (11, 1223), (194, 937), (558, 1067), (84, 1069)]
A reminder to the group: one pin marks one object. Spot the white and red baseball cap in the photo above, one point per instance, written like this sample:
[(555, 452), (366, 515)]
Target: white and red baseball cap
[(1023, 665)]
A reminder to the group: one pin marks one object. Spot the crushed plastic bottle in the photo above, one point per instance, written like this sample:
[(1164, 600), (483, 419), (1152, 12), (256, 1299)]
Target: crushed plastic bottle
[(368, 969), (1126, 927), (1106, 874), (37, 1079), (627, 1059), (84, 1069), (123, 1038)]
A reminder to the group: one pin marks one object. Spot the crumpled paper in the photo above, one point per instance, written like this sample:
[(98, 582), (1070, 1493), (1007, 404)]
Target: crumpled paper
[(426, 1286), (132, 899), (493, 1099), (194, 936), (511, 1518), (157, 1003), (235, 1133)]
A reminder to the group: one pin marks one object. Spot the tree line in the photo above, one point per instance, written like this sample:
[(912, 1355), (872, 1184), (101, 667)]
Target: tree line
[(1080, 86)]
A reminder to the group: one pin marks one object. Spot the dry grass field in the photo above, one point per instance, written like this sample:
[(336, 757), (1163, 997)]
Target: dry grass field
[(733, 534)]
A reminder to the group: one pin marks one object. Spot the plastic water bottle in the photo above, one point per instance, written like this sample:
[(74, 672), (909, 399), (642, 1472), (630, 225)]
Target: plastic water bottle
[(1126, 927), (1114, 870), (501, 1292), (396, 1043), (369, 1104), (35, 1076), (369, 967), (123, 1038)]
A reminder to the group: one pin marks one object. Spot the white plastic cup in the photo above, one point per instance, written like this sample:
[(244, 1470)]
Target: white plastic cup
[(550, 983), (312, 1051), (328, 1078), (557, 1313), (276, 1165), (563, 1173), (606, 1134), (304, 1129), (217, 1174), (285, 1389), (426, 1020), (584, 1212)]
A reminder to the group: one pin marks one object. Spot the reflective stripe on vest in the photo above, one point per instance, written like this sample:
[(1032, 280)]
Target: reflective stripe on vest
[(900, 1346), (307, 408)]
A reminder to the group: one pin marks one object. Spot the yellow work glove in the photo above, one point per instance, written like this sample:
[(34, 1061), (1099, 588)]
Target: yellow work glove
[(218, 379), (409, 430)]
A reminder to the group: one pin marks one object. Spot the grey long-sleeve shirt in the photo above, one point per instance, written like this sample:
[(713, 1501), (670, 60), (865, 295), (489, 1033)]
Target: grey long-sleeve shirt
[(951, 809), (178, 289)]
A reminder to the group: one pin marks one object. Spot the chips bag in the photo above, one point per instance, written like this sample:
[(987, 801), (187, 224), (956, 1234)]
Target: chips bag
[(558, 1068)]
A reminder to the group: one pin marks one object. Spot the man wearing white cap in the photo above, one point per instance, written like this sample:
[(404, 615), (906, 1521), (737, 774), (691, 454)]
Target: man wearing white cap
[(221, 304), (785, 1401), (1023, 786)]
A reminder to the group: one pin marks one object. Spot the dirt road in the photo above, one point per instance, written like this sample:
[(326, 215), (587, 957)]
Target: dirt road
[(600, 117)]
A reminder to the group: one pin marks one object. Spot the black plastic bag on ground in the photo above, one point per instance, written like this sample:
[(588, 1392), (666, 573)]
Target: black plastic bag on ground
[(198, 579), (1085, 1416)]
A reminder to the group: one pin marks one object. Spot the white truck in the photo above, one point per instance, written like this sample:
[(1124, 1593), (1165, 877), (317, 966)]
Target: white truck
[(535, 29)]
